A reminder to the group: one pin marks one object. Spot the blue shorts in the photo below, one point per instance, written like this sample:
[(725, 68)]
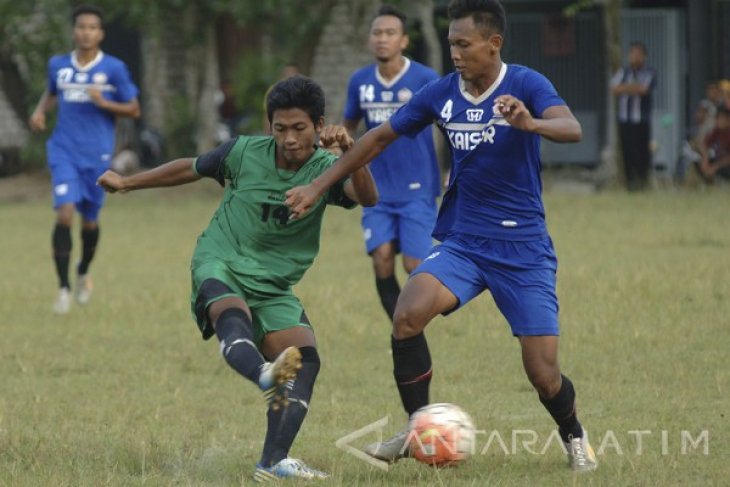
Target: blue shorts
[(408, 224), (73, 179), (520, 276)]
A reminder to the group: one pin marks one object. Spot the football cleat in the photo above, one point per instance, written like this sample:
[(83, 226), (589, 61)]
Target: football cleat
[(285, 469), (581, 457), (63, 302), (276, 376), (84, 288), (390, 450)]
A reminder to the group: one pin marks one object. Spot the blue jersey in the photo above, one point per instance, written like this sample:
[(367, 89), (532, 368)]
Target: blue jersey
[(495, 188), (407, 169), (82, 127)]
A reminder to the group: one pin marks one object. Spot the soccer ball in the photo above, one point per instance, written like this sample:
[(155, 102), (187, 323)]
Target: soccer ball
[(441, 435)]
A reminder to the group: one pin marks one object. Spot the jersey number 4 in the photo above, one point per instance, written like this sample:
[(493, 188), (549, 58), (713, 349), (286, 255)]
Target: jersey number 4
[(277, 212)]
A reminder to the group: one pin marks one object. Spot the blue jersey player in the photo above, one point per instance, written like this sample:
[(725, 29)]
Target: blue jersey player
[(406, 173), (491, 222), (91, 89)]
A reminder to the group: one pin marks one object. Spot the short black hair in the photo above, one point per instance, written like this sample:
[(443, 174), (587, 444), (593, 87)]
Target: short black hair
[(487, 14), (87, 9), (387, 9), (296, 92)]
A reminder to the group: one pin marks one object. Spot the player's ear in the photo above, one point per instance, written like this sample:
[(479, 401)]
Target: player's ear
[(404, 42), (495, 41), (319, 125)]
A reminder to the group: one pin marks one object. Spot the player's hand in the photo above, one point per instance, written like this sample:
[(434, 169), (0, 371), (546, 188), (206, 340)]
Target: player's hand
[(96, 96), (335, 139), (111, 182), (300, 200), (38, 121), (515, 112)]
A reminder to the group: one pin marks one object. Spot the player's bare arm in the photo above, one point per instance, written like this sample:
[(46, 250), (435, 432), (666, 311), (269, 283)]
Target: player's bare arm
[(173, 173), (129, 109), (557, 123), (634, 89), (301, 198), (38, 119)]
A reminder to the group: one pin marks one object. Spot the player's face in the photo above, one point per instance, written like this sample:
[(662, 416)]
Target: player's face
[(387, 39), (637, 58), (87, 32), (295, 135), (473, 51)]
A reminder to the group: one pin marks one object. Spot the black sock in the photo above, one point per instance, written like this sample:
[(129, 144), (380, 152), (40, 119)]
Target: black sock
[(89, 239), (233, 328), (562, 408), (412, 371), (284, 423), (61, 242), (388, 290)]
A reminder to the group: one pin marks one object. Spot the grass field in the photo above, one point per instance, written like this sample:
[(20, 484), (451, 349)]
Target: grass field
[(124, 392)]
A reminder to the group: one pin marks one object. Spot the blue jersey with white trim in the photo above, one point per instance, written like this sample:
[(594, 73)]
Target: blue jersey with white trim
[(407, 168), (495, 188), (81, 126)]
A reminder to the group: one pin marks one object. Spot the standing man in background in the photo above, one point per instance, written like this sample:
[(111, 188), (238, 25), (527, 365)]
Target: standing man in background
[(633, 86), (406, 174), (91, 89)]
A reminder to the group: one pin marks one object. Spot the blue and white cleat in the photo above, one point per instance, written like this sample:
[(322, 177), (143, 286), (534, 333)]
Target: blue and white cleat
[(276, 377), (288, 468)]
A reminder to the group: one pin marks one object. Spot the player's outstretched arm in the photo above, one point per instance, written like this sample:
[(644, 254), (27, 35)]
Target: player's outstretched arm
[(301, 198), (173, 173)]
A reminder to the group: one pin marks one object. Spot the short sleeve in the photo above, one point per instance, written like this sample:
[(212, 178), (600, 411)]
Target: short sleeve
[(212, 163), (126, 90), (51, 73), (415, 115), (540, 93), (352, 104), (336, 196)]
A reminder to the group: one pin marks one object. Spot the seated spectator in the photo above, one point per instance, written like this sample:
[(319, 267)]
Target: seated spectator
[(715, 149)]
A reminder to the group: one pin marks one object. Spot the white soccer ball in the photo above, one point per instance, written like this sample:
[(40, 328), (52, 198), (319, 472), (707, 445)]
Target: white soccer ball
[(441, 435)]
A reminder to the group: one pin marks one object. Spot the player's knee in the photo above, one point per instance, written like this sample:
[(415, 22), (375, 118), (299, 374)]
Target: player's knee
[(545, 380), (406, 323)]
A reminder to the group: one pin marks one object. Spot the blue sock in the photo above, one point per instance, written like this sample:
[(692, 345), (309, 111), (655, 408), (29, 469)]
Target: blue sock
[(233, 329)]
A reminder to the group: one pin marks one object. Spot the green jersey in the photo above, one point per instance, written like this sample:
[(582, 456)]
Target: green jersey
[(251, 231)]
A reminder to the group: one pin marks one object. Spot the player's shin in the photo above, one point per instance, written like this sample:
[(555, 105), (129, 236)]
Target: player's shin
[(284, 423), (234, 331), (388, 290), (89, 239), (412, 371), (562, 408), (61, 242)]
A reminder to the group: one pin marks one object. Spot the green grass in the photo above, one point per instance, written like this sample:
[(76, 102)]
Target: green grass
[(124, 391)]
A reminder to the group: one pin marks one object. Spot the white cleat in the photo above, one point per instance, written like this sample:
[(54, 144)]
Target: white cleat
[(63, 301), (390, 450), (581, 457), (84, 288), (275, 376), (288, 468)]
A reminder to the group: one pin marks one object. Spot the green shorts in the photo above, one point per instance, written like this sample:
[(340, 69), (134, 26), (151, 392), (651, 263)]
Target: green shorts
[(272, 308)]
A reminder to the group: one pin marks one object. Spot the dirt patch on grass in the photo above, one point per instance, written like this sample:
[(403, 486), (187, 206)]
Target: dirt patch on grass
[(29, 186)]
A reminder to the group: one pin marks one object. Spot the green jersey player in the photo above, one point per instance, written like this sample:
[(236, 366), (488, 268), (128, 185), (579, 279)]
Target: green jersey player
[(252, 253)]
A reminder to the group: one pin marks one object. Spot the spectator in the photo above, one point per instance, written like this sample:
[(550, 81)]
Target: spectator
[(715, 149), (633, 86)]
